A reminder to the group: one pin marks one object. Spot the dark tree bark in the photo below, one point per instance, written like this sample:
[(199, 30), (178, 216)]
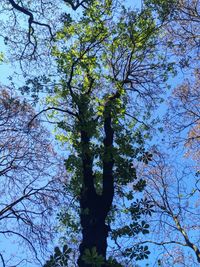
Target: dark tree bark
[(95, 207)]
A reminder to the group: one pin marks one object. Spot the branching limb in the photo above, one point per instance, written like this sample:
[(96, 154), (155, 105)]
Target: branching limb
[(77, 5), (31, 18), (52, 108)]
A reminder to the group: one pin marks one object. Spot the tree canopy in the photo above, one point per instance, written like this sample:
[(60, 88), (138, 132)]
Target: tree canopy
[(110, 71)]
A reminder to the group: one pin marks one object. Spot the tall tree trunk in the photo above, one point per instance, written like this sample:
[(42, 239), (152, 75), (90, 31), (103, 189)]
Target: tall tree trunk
[(94, 207)]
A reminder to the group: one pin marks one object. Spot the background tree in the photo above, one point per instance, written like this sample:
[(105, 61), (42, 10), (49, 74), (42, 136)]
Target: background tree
[(33, 25), (184, 116), (173, 183), (175, 220), (31, 181), (183, 36)]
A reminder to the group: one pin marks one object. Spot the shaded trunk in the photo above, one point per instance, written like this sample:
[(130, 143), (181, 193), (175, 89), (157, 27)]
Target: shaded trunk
[(94, 229), (94, 207)]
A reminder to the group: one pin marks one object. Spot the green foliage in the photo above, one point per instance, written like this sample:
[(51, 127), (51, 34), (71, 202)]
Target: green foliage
[(1, 57), (113, 263), (59, 258), (138, 252), (35, 86), (164, 8), (135, 227), (141, 207), (92, 257)]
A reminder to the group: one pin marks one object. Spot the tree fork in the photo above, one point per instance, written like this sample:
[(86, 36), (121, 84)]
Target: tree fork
[(94, 207)]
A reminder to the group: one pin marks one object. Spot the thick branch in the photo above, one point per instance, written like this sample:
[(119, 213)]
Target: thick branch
[(108, 161), (77, 5), (87, 161), (187, 240), (31, 17)]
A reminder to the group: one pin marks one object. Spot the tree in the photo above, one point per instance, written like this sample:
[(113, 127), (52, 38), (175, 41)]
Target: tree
[(173, 185), (183, 30), (111, 77), (175, 219), (29, 190), (183, 115), (33, 25)]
